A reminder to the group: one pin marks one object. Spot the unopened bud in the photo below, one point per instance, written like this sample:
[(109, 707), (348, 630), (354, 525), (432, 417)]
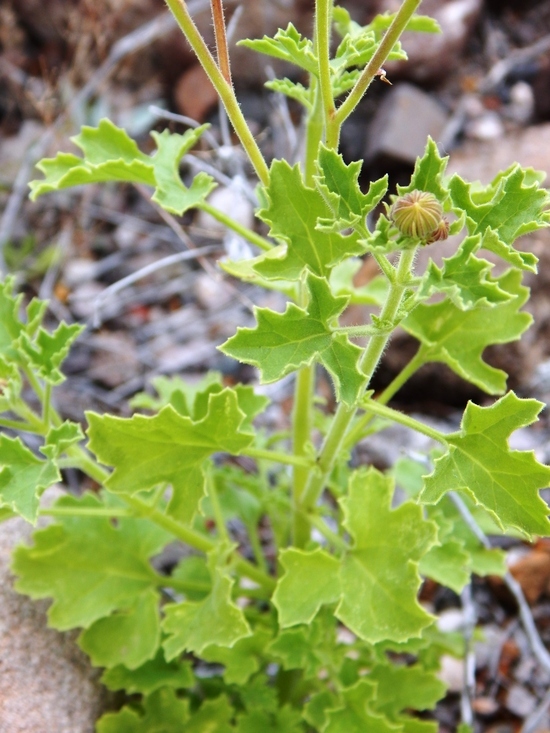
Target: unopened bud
[(417, 214)]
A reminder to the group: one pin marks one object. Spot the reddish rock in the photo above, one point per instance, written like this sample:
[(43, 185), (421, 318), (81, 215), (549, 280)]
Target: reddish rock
[(194, 94)]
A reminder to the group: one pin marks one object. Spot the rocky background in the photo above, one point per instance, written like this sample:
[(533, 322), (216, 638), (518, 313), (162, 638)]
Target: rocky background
[(481, 89)]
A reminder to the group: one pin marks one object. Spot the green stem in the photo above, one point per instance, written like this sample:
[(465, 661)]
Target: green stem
[(178, 530), (392, 35), (302, 423), (67, 511), (345, 414), (212, 493), (230, 223), (24, 427), (321, 526), (256, 545), (47, 404), (276, 456), (323, 21), (402, 378), (409, 422), (224, 89), (314, 133)]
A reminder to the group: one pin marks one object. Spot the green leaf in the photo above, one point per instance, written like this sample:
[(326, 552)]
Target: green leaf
[(379, 576), (163, 713), (131, 636), (479, 462), (512, 205), (168, 447), (458, 338), (341, 283), (89, 567), (448, 563), (281, 343), (355, 714), (399, 688), (241, 660), (291, 89), (283, 720), (464, 278), (292, 213), (194, 625), (309, 581), (302, 647), (23, 478), (170, 191), (339, 185), (109, 154), (150, 676), (58, 440), (10, 324), (287, 44), (47, 351), (428, 173)]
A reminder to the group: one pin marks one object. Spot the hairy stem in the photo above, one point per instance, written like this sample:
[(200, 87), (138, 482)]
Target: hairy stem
[(220, 33), (345, 414), (392, 35), (222, 86)]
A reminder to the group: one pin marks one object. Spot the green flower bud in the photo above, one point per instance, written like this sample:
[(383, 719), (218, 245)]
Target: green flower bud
[(417, 214)]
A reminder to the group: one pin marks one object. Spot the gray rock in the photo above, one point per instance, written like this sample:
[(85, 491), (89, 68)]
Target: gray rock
[(47, 683), (402, 124), (482, 160), (433, 57)]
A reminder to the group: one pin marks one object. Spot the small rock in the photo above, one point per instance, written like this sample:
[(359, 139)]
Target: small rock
[(194, 94), (520, 701), (48, 684), (482, 160), (451, 673), (402, 124), (115, 360), (488, 126), (432, 57), (79, 270), (451, 620), (231, 202), (522, 103), (211, 294)]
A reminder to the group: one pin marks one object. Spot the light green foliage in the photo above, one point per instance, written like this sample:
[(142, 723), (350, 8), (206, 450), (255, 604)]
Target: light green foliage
[(168, 448), (284, 342), (479, 461), (194, 625), (459, 337), (285, 597), (110, 155), (23, 477)]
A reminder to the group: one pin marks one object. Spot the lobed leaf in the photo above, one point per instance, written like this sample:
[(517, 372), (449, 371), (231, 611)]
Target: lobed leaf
[(464, 278), (379, 576), (168, 447), (23, 478), (149, 677), (479, 462), (292, 212), (458, 338), (283, 342), (89, 567), (288, 45), (109, 154), (195, 625)]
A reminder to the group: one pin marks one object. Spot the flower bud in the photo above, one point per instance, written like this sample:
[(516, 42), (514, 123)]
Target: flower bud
[(417, 214), (439, 234)]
